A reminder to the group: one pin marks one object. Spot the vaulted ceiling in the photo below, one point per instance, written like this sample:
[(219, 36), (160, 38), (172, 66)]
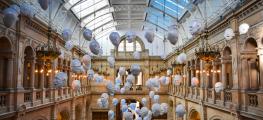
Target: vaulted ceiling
[(105, 16)]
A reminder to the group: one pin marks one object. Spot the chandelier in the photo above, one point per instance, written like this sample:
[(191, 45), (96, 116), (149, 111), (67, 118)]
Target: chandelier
[(206, 52), (47, 51)]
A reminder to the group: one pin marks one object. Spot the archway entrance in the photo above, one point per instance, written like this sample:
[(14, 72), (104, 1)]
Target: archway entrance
[(78, 112), (29, 67), (63, 115), (194, 115), (6, 63), (128, 101)]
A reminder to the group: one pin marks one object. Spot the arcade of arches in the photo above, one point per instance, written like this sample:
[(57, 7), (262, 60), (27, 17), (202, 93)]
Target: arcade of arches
[(27, 91)]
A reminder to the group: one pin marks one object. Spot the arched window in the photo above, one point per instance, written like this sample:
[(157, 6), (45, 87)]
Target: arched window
[(5, 63), (125, 46), (29, 68)]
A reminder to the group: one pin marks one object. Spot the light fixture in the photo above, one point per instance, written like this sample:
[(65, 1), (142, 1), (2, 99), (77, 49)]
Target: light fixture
[(48, 51), (206, 52)]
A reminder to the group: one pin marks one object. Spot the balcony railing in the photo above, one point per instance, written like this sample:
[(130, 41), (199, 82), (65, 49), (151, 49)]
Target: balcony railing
[(38, 95), (252, 100), (217, 96), (28, 96), (228, 96), (210, 93), (3, 100)]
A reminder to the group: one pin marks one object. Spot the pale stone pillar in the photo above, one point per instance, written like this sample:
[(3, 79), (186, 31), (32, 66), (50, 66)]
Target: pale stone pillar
[(9, 77), (32, 73), (42, 76), (261, 69), (73, 109), (253, 74), (202, 75), (223, 73), (245, 78), (214, 74)]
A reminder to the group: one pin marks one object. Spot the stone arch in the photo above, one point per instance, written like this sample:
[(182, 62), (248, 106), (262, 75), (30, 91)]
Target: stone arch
[(6, 63), (138, 39), (250, 65), (29, 67), (216, 117), (250, 44), (227, 51), (227, 66), (63, 115), (194, 115), (40, 118), (78, 112)]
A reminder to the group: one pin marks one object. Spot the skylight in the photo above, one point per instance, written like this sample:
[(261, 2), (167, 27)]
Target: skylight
[(163, 13), (89, 6)]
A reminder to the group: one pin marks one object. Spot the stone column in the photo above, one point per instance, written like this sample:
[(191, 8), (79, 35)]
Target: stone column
[(245, 75), (253, 74), (83, 114), (202, 75), (214, 74), (42, 76), (73, 109), (9, 77), (261, 69), (32, 73), (223, 72)]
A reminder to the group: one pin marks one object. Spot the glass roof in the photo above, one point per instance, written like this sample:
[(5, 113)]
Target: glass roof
[(97, 14), (164, 13)]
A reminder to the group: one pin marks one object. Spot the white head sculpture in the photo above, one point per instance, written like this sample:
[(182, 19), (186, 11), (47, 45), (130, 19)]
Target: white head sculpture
[(76, 66), (194, 81), (229, 34), (111, 88), (76, 85), (130, 36), (136, 55), (149, 35), (87, 34), (144, 101), (177, 80), (27, 9), (111, 115), (69, 45), (10, 16), (182, 57), (156, 109), (115, 38), (195, 26), (135, 69), (219, 87), (172, 35), (122, 71), (86, 59), (66, 34), (94, 47), (180, 110), (111, 61), (115, 101), (43, 4), (60, 80)]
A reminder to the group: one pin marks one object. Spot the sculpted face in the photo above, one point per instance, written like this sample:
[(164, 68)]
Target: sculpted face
[(229, 34), (195, 27)]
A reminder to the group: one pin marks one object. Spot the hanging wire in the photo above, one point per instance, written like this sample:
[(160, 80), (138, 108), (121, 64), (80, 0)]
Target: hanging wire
[(80, 24)]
